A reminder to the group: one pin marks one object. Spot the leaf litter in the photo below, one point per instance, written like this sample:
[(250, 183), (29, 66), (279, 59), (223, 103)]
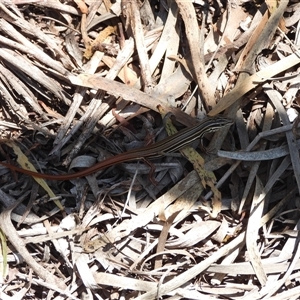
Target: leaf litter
[(83, 80)]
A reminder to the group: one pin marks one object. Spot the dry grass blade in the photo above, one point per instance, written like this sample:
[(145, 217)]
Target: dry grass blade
[(194, 271), (190, 20), (142, 219), (252, 233), (274, 97), (9, 230)]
